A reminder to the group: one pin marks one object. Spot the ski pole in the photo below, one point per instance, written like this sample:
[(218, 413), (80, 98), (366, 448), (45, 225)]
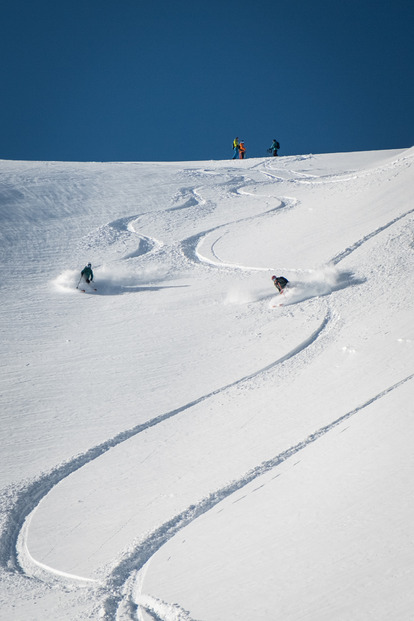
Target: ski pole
[(79, 282)]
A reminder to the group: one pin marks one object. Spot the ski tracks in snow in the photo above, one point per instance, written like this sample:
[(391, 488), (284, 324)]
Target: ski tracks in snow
[(120, 583), (120, 598), (135, 561), (118, 240), (201, 248), (345, 253), (28, 497)]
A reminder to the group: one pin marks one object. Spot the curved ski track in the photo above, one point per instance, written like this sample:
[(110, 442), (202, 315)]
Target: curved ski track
[(189, 246), (140, 556), (25, 499), (30, 495)]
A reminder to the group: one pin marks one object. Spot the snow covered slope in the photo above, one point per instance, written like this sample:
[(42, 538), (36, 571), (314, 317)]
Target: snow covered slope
[(183, 443)]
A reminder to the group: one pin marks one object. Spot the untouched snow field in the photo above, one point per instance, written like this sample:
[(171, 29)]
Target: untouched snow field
[(184, 444)]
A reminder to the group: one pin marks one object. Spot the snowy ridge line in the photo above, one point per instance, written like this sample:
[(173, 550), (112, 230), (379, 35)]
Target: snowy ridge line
[(136, 560), (335, 178), (29, 495), (342, 255), (269, 162), (189, 246)]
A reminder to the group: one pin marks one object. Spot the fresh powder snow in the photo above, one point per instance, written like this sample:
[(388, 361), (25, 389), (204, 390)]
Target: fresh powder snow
[(179, 441)]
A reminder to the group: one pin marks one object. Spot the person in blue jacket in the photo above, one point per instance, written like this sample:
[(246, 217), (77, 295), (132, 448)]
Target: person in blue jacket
[(274, 148)]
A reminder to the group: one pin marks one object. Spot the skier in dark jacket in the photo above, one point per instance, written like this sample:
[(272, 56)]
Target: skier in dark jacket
[(274, 148), (280, 282), (87, 273)]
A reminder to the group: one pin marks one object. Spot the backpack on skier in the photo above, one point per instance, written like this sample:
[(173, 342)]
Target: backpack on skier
[(280, 282)]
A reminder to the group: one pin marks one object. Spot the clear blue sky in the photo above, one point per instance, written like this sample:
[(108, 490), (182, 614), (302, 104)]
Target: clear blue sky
[(118, 80)]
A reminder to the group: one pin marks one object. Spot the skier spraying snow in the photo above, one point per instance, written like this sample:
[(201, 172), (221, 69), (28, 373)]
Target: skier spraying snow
[(87, 273), (280, 282)]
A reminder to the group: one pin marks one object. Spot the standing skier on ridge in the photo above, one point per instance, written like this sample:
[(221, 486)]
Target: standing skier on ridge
[(242, 150), (236, 146), (275, 146)]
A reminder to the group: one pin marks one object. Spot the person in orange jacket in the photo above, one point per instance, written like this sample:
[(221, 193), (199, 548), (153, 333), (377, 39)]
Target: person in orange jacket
[(242, 150)]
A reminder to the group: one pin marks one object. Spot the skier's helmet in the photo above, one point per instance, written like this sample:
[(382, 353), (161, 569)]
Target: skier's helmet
[(89, 264), (274, 278)]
